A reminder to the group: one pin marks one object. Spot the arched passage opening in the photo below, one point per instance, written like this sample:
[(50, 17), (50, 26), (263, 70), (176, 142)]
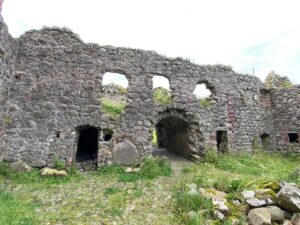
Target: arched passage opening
[(173, 134)]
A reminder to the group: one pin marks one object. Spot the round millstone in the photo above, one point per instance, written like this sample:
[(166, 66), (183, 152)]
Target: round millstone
[(125, 153)]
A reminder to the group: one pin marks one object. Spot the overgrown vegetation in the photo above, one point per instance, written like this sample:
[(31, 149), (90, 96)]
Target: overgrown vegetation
[(154, 138), (162, 96), (231, 173), (205, 102), (33, 177), (122, 90), (16, 211), (274, 80), (111, 194), (150, 168), (59, 164), (112, 107)]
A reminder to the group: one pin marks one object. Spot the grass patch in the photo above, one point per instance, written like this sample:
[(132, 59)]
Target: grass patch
[(112, 107), (111, 190), (34, 176), (150, 168), (15, 211), (205, 102), (59, 164), (232, 173), (162, 96)]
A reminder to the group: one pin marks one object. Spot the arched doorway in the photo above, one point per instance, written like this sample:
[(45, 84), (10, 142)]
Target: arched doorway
[(174, 134)]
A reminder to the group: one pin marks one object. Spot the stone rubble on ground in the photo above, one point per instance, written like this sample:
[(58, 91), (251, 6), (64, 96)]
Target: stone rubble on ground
[(286, 212), (53, 172), (20, 166)]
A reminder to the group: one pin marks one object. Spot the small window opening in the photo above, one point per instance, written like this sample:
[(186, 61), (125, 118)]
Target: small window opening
[(116, 79), (18, 76), (222, 141), (57, 134), (114, 89), (293, 137), (265, 141), (107, 134), (161, 90), (204, 94)]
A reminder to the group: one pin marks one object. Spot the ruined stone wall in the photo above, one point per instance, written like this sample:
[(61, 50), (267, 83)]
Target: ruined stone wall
[(6, 68), (286, 110), (56, 88)]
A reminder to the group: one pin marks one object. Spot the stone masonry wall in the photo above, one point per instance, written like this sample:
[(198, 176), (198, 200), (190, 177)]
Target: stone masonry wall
[(286, 110), (54, 86)]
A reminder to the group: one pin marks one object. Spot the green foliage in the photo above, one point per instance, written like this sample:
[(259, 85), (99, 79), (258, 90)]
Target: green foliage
[(154, 138), (186, 202), (211, 155), (110, 170), (32, 177), (255, 145), (111, 190), (205, 102), (295, 175), (15, 211), (232, 173), (150, 168), (5, 169), (162, 96), (122, 90), (196, 219), (235, 185), (266, 143), (287, 84), (112, 107), (274, 80), (59, 164), (72, 170)]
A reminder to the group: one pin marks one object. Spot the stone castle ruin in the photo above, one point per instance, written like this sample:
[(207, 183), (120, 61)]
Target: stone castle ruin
[(51, 90)]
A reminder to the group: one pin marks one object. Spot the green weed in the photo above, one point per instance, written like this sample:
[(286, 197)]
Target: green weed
[(150, 168), (162, 96), (154, 138), (59, 164), (205, 102), (112, 107), (15, 211), (111, 190)]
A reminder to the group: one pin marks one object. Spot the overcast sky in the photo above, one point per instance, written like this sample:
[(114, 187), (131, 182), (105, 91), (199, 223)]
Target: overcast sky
[(256, 34)]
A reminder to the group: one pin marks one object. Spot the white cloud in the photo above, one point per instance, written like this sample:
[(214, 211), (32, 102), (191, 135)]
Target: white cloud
[(208, 32)]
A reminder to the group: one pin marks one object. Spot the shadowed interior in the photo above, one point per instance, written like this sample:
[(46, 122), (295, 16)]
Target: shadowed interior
[(87, 146), (173, 134)]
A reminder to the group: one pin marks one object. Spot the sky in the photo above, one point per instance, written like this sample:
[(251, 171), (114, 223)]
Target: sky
[(255, 36)]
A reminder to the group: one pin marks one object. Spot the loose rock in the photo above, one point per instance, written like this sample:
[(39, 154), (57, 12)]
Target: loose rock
[(289, 198), (20, 166), (296, 219), (259, 216)]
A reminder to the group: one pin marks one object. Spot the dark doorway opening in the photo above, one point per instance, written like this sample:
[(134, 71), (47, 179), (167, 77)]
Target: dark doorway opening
[(293, 137), (87, 146), (173, 134), (265, 141), (222, 141)]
